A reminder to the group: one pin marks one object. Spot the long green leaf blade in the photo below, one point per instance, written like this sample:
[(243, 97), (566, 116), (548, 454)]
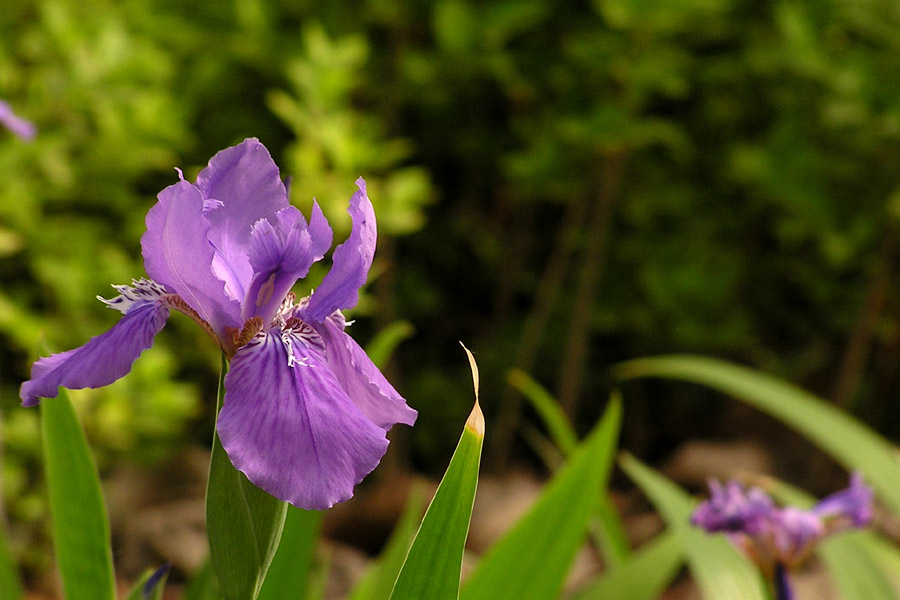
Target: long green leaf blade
[(847, 440), (289, 573), (78, 513), (644, 575), (432, 567), (531, 561), (10, 585), (721, 572), (378, 581)]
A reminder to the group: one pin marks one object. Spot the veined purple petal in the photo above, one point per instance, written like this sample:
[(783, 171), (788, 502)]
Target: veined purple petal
[(22, 128), (102, 360), (246, 181), (280, 254), (352, 259), (362, 380), (292, 430), (177, 254)]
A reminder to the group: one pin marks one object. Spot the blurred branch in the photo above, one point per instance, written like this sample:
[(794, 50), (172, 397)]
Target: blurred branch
[(575, 350)]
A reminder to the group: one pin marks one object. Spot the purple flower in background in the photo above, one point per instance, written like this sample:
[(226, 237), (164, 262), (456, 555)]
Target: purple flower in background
[(23, 128), (306, 412), (779, 538)]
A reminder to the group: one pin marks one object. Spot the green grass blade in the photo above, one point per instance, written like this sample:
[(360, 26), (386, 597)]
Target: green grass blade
[(386, 341), (432, 567), (852, 565), (202, 585), (288, 576), (644, 575), (607, 528), (847, 440), (78, 514), (531, 561), (379, 579), (545, 404), (721, 571), (10, 585)]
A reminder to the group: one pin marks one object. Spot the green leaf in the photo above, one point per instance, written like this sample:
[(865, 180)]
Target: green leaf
[(721, 571), (243, 523), (850, 559), (607, 528), (289, 573), (548, 409), (847, 440), (202, 585), (78, 515), (379, 579), (10, 585), (531, 560), (386, 341), (644, 575), (431, 570)]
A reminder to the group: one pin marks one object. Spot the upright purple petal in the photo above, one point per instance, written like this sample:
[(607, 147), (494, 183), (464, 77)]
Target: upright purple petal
[(23, 128), (177, 254), (291, 429), (102, 360), (853, 503), (320, 232), (246, 181), (280, 254), (352, 260), (362, 380)]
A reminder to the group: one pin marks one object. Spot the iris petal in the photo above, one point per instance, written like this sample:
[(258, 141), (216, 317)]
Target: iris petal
[(178, 255), (247, 183), (362, 380), (352, 259), (280, 255), (292, 430), (101, 361)]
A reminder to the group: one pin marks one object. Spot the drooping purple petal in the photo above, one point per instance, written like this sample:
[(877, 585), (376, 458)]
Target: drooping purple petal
[(246, 181), (23, 128), (292, 430), (101, 361), (362, 380), (280, 254), (352, 260), (177, 254)]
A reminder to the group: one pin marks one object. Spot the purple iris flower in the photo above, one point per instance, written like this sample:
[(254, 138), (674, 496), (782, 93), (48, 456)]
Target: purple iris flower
[(306, 412), (780, 538), (22, 128)]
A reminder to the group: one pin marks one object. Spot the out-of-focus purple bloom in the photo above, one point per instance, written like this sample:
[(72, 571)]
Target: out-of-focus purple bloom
[(779, 538), (731, 508), (306, 412), (22, 128)]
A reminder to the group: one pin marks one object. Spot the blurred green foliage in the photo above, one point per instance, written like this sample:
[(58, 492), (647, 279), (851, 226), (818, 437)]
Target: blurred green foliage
[(562, 185)]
